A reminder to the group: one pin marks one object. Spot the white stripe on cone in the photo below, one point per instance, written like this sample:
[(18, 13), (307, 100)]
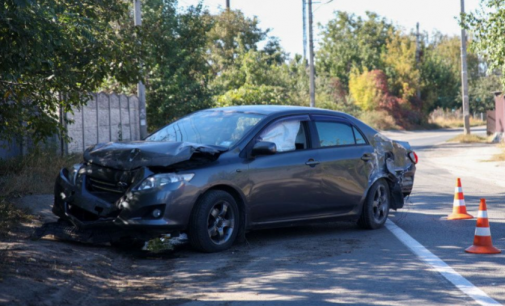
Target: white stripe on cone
[(459, 202), (458, 190), (482, 214), (482, 231)]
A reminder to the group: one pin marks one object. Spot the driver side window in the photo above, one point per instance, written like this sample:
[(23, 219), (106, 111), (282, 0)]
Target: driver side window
[(288, 135)]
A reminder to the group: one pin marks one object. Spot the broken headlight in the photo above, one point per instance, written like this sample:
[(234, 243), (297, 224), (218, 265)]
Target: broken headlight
[(163, 179), (73, 172)]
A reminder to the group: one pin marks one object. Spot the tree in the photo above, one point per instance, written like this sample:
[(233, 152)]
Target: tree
[(55, 48), (254, 95), (349, 41), (229, 26), (175, 53), (440, 84), (488, 28), (481, 93), (253, 74), (400, 62)]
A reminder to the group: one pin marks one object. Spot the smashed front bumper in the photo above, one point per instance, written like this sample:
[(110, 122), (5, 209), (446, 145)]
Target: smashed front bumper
[(131, 212)]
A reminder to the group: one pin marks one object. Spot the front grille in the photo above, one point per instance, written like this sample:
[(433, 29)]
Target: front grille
[(106, 183), (99, 185)]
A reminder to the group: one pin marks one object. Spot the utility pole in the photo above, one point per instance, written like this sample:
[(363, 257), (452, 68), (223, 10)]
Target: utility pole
[(141, 89), (418, 57), (311, 59), (304, 13), (227, 5), (464, 76)]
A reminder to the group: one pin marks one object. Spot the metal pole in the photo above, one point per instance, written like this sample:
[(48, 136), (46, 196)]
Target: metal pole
[(304, 14), (228, 4), (464, 75), (141, 89), (311, 60)]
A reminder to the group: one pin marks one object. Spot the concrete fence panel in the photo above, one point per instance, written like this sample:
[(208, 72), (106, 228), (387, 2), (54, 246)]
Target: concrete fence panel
[(104, 118)]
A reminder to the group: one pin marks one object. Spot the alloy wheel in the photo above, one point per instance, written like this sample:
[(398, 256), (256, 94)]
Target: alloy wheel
[(221, 222), (380, 204)]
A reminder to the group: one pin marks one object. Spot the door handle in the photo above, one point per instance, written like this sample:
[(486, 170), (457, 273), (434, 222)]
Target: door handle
[(367, 157), (311, 162)]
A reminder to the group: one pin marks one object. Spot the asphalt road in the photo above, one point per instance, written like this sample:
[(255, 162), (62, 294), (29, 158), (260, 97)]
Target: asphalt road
[(341, 264), (424, 218), (420, 140)]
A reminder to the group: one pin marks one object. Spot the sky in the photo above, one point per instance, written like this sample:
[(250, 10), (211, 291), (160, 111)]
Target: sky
[(284, 17)]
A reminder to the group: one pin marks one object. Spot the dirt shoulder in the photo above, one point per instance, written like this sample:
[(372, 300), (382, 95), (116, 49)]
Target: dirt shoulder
[(52, 272)]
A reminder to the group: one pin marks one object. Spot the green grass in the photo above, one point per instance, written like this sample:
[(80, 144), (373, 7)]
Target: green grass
[(468, 139)]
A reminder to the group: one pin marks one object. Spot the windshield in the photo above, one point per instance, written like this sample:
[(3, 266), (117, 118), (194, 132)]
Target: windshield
[(218, 128)]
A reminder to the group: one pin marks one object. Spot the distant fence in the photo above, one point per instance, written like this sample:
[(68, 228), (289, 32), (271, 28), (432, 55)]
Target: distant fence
[(454, 114), (491, 122), (104, 118)]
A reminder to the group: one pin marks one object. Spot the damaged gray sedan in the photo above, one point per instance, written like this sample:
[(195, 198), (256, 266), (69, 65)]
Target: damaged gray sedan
[(218, 173)]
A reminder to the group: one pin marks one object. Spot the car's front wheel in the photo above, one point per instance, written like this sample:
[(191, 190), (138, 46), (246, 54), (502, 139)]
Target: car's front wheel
[(376, 206), (214, 222)]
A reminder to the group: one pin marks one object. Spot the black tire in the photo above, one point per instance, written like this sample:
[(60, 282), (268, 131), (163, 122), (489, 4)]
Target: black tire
[(214, 223), (376, 207)]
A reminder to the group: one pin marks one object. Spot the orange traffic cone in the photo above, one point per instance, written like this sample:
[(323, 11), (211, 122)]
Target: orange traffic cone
[(459, 208), (482, 243)]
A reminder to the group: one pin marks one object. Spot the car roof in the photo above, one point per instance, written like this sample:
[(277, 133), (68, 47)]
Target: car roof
[(278, 109), (281, 110)]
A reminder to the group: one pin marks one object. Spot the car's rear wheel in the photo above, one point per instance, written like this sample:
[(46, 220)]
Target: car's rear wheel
[(376, 207), (214, 222)]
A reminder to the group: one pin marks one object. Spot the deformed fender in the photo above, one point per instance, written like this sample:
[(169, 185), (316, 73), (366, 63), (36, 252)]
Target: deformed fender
[(390, 161)]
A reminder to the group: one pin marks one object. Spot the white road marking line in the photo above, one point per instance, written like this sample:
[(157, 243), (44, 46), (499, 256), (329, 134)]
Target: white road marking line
[(454, 277)]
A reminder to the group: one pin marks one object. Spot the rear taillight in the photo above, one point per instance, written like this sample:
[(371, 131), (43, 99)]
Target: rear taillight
[(413, 157)]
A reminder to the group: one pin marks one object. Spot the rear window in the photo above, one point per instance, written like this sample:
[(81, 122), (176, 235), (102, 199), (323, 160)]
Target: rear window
[(360, 139), (334, 134)]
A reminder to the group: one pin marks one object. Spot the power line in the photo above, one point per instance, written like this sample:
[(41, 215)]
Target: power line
[(321, 4)]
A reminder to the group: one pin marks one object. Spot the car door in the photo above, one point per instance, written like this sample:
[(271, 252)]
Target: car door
[(284, 184), (343, 155)]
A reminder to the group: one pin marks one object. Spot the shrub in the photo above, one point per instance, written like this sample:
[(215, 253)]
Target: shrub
[(369, 89), (379, 120), (253, 95), (34, 172)]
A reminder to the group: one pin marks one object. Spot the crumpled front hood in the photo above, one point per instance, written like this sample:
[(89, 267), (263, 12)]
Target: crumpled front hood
[(135, 154)]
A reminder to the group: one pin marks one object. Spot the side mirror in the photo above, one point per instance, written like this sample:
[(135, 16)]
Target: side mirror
[(264, 148)]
